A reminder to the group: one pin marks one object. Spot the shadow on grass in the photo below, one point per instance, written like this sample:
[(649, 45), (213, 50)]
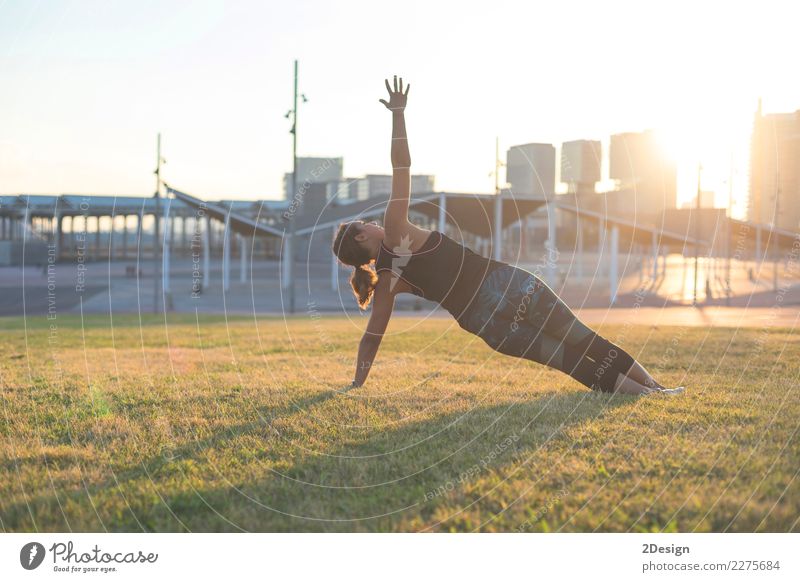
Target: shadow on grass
[(367, 482)]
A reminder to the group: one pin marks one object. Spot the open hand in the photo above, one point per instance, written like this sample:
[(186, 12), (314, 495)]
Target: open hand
[(397, 98)]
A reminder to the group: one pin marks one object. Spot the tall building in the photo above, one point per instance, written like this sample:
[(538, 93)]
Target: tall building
[(647, 178), (313, 171), (775, 170), (531, 170), (580, 165)]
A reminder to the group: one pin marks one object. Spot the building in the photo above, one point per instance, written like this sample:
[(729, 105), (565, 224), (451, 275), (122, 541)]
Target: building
[(580, 171), (580, 166), (343, 191), (313, 171), (372, 185), (422, 183), (531, 170), (707, 200), (646, 177), (775, 170)]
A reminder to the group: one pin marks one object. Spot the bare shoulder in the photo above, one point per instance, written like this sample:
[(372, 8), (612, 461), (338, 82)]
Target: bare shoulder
[(409, 238)]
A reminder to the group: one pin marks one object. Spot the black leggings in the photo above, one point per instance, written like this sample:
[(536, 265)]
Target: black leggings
[(517, 314)]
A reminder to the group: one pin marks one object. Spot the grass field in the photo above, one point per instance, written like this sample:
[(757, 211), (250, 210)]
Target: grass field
[(215, 426)]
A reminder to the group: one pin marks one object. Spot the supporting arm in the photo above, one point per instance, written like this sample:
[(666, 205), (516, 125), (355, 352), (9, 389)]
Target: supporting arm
[(382, 306)]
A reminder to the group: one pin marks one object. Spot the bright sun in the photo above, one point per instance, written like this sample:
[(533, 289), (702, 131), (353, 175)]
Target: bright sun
[(718, 141)]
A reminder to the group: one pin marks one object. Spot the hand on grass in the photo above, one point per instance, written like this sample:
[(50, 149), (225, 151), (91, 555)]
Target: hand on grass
[(351, 386), (668, 391)]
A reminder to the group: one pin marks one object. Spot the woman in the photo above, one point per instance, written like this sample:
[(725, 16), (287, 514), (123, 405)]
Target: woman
[(512, 310)]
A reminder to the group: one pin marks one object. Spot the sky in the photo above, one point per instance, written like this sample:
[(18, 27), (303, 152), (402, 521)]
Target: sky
[(87, 86)]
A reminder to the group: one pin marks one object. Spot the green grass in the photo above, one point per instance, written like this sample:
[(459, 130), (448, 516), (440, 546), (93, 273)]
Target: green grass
[(215, 426)]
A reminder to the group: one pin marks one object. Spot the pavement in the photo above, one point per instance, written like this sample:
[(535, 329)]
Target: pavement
[(714, 316)]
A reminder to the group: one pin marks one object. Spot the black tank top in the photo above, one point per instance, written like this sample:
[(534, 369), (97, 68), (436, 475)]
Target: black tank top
[(443, 270)]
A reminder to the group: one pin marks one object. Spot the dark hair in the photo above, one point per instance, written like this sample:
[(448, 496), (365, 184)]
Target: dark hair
[(350, 252)]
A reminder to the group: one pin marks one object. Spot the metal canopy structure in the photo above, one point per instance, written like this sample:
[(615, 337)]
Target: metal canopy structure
[(753, 232), (637, 232), (47, 205), (475, 213), (238, 223), (334, 214)]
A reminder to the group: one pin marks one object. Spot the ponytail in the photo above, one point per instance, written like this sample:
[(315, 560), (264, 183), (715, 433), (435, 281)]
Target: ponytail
[(350, 252), (363, 281)]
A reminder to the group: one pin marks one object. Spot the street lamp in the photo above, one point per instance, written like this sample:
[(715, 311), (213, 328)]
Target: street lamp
[(292, 114)]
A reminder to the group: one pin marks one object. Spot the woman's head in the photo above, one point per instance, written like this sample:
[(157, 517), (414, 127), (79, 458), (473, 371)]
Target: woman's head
[(357, 244)]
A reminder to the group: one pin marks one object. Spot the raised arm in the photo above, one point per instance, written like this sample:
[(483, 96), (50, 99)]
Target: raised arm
[(395, 219)]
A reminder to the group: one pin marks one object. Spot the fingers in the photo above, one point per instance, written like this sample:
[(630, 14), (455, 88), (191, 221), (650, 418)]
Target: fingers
[(398, 86), (384, 102)]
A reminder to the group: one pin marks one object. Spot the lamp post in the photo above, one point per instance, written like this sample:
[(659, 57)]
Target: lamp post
[(294, 204), (696, 233), (728, 228), (156, 240)]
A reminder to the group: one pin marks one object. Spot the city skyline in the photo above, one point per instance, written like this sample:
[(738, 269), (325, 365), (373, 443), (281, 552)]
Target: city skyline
[(89, 87)]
